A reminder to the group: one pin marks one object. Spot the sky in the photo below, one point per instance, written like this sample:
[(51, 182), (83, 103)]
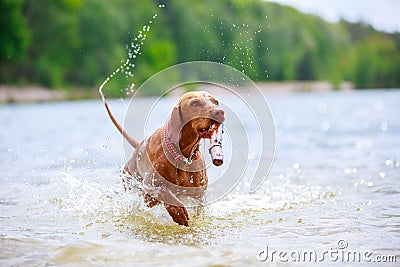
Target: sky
[(381, 14)]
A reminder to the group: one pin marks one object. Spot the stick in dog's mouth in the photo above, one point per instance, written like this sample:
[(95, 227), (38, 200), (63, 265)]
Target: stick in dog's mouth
[(215, 149)]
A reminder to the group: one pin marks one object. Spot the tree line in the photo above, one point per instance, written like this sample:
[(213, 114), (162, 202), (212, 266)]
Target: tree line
[(78, 43)]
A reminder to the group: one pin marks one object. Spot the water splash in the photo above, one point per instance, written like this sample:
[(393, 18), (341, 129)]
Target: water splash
[(133, 51), (244, 47), (109, 212)]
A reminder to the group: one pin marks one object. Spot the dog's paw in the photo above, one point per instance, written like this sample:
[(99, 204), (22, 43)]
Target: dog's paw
[(178, 214)]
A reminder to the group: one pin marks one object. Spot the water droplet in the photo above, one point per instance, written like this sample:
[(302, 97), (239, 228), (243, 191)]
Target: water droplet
[(350, 170), (384, 126), (322, 108), (325, 126), (382, 175), (391, 163), (296, 166)]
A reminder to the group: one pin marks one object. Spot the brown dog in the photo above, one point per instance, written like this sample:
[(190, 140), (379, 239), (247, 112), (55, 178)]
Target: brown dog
[(168, 164)]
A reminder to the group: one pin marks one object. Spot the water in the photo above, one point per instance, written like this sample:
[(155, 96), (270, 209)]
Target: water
[(336, 177), (133, 50)]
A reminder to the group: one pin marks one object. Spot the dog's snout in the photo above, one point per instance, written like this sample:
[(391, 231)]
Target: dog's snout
[(218, 114)]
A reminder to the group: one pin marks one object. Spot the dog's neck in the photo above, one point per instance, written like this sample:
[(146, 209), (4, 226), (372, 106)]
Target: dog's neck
[(181, 144)]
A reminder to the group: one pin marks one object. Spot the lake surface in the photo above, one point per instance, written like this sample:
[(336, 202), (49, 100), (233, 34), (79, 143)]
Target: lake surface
[(334, 185)]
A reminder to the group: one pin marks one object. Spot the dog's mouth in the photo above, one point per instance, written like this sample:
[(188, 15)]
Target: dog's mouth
[(206, 132)]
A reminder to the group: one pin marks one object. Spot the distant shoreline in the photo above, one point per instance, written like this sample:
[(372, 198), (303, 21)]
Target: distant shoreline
[(34, 94), (13, 94), (303, 86)]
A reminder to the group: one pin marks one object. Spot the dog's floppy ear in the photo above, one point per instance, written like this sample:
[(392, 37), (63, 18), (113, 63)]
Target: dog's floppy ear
[(176, 125)]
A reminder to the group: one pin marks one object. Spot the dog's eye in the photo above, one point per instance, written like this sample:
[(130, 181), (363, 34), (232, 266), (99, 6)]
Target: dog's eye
[(216, 102), (195, 103)]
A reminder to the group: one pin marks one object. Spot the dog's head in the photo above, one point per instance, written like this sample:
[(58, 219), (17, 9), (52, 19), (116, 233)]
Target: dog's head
[(200, 110)]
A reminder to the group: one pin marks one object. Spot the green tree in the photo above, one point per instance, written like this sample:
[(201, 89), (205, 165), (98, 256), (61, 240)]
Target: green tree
[(14, 37), (54, 30), (78, 43), (377, 62)]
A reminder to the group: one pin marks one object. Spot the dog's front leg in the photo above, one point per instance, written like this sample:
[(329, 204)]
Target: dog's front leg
[(174, 206)]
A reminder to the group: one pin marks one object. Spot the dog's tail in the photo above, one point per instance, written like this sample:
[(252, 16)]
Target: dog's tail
[(128, 138)]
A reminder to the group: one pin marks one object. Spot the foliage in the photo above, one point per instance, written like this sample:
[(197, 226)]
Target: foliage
[(14, 37), (78, 43)]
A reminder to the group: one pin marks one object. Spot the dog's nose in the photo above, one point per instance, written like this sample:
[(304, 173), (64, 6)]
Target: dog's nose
[(218, 114)]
